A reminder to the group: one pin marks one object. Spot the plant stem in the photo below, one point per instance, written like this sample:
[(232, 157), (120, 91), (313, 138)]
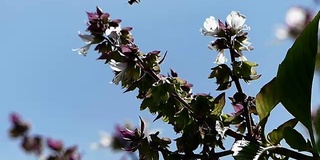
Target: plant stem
[(220, 154), (239, 89), (228, 132)]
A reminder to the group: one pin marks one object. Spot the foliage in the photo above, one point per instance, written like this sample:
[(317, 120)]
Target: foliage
[(198, 119)]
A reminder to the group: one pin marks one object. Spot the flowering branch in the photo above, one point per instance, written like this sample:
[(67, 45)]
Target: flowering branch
[(240, 93)]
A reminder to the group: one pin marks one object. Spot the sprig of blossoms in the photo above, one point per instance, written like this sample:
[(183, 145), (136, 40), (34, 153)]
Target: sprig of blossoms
[(235, 28), (35, 144)]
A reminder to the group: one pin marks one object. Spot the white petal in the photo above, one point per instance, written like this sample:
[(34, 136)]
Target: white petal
[(236, 20), (211, 27), (242, 58), (117, 66), (221, 58), (86, 37), (105, 140), (113, 32), (83, 50), (282, 33), (296, 17), (210, 24), (116, 79)]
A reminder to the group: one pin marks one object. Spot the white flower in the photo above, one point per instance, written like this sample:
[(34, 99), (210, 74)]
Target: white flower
[(119, 68), (113, 32), (236, 21), (221, 58), (88, 39), (281, 32), (296, 17), (211, 27), (104, 142)]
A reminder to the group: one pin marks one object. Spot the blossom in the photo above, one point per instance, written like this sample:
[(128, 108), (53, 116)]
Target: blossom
[(113, 32), (211, 27), (221, 58), (282, 32), (236, 21), (105, 141), (119, 68), (88, 39), (296, 17), (56, 145)]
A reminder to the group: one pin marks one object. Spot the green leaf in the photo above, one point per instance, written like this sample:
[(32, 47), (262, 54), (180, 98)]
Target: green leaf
[(295, 140), (276, 135), (267, 99), (295, 74), (245, 150), (222, 75), (147, 102), (219, 103)]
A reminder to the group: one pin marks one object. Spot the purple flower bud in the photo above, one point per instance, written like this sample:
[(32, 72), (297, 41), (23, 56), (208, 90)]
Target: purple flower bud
[(237, 107), (125, 49), (155, 52), (127, 29), (32, 144), (72, 153), (15, 118), (93, 17), (55, 145), (127, 134)]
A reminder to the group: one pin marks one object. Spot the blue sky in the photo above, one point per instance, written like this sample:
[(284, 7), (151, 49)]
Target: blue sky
[(69, 97)]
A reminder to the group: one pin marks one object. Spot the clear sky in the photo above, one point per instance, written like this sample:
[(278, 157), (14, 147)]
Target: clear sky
[(69, 97)]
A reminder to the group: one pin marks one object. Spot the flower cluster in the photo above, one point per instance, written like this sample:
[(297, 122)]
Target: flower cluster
[(35, 143), (113, 42), (229, 34), (297, 17)]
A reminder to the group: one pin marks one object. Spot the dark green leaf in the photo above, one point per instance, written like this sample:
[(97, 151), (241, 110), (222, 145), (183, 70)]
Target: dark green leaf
[(267, 99), (221, 73), (224, 86), (276, 135), (147, 102), (295, 74), (219, 103), (295, 140)]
